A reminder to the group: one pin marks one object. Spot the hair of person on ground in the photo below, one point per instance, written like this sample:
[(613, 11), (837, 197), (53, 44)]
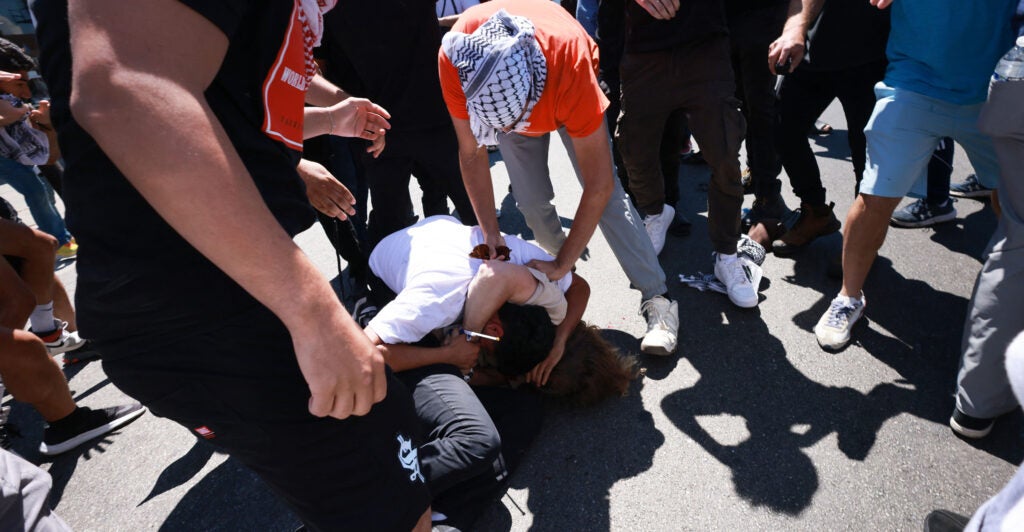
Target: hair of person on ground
[(591, 370), (13, 59), (527, 338)]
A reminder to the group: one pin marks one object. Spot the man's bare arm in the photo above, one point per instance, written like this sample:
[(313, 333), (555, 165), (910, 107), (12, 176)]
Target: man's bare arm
[(476, 175), (139, 76), (455, 351), (792, 44), (323, 93), (593, 155), (577, 297)]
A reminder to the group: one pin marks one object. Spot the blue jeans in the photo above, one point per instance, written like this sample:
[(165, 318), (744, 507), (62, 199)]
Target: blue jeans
[(586, 15), (38, 196)]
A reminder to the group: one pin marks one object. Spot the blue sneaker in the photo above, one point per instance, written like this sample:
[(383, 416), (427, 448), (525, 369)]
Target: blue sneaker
[(921, 214), (970, 188)]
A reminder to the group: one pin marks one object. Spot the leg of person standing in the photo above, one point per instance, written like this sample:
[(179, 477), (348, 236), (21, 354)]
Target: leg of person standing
[(526, 159), (996, 313)]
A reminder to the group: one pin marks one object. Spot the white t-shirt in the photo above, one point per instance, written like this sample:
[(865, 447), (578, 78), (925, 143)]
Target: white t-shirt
[(453, 7), (429, 267)]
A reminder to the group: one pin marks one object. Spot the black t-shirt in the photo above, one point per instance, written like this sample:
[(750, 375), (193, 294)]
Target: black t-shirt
[(847, 34), (737, 7), (695, 22), (138, 280), (386, 50)]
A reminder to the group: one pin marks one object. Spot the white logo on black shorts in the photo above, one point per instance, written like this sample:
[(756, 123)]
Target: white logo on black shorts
[(409, 459)]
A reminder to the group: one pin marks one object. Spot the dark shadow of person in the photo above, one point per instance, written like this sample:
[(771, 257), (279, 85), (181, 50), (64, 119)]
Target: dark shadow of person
[(579, 455), (784, 414), (230, 497), (914, 329)]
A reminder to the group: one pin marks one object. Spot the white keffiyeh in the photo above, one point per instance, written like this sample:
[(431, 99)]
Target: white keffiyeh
[(502, 70)]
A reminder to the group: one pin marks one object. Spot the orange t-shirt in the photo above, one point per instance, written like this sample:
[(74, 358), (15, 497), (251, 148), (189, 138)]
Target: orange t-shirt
[(572, 98)]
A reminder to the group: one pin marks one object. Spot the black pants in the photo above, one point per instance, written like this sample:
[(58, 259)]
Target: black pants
[(698, 80), (940, 172), (432, 155), (803, 97), (750, 33), (239, 387), (475, 438)]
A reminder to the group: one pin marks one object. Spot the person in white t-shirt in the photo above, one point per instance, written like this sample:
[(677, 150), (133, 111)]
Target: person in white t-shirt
[(524, 319)]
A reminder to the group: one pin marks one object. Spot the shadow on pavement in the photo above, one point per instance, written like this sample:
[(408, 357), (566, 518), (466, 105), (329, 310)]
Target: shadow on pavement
[(181, 470), (784, 412), (230, 497), (620, 443)]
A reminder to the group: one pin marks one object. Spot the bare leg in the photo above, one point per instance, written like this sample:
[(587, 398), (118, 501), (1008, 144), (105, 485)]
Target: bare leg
[(32, 376), (866, 226), (423, 525), (62, 305), (38, 250), (27, 369)]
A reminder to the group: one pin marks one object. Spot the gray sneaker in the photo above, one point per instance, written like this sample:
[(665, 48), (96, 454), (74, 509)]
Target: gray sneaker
[(970, 188), (921, 214), (833, 329), (662, 326)]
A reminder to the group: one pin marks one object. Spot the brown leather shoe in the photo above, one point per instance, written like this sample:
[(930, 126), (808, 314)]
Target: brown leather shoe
[(815, 221)]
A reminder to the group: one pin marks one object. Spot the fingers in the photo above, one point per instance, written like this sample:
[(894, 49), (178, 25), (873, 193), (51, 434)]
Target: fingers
[(321, 404), (9, 76), (660, 9), (774, 56)]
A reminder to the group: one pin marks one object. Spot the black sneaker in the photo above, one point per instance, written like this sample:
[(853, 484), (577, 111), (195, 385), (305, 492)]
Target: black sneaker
[(85, 424), (945, 521), (921, 214), (970, 426), (83, 354)]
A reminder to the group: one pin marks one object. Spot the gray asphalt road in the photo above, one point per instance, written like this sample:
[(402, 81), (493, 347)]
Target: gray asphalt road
[(750, 427)]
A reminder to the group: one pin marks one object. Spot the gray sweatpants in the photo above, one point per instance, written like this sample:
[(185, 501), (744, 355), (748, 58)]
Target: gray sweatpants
[(996, 312), (526, 159), (1005, 511), (25, 496)]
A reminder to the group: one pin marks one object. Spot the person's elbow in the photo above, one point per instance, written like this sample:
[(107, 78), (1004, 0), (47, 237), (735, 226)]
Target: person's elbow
[(95, 93)]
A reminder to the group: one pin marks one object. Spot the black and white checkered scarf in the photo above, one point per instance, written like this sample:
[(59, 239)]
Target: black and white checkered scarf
[(502, 70)]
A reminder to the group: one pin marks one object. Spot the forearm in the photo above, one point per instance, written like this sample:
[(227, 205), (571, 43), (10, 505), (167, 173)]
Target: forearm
[(801, 15), (403, 357), (577, 297), (593, 156), (208, 197), (323, 93), (476, 176)]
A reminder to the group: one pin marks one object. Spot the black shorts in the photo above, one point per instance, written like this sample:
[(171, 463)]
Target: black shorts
[(239, 387)]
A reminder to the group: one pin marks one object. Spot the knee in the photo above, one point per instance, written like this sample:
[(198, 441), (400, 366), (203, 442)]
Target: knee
[(42, 246), (16, 304)]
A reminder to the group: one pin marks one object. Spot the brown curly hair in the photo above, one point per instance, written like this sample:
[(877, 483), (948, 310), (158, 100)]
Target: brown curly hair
[(591, 370)]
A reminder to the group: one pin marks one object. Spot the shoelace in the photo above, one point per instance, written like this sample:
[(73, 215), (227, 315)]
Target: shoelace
[(653, 314), (839, 314)]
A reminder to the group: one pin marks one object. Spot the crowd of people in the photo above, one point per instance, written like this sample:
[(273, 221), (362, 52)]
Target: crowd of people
[(412, 409)]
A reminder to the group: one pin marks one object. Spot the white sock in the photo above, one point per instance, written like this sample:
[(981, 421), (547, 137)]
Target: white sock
[(42, 318), (848, 301)]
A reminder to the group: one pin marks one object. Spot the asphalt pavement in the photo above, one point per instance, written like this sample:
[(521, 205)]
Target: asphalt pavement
[(751, 426)]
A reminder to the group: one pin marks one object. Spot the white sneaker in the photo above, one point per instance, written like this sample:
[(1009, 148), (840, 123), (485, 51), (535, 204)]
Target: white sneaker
[(737, 277), (657, 227), (833, 329), (60, 340), (662, 326)]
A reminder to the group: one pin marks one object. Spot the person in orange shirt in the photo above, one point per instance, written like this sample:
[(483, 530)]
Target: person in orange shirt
[(512, 72)]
